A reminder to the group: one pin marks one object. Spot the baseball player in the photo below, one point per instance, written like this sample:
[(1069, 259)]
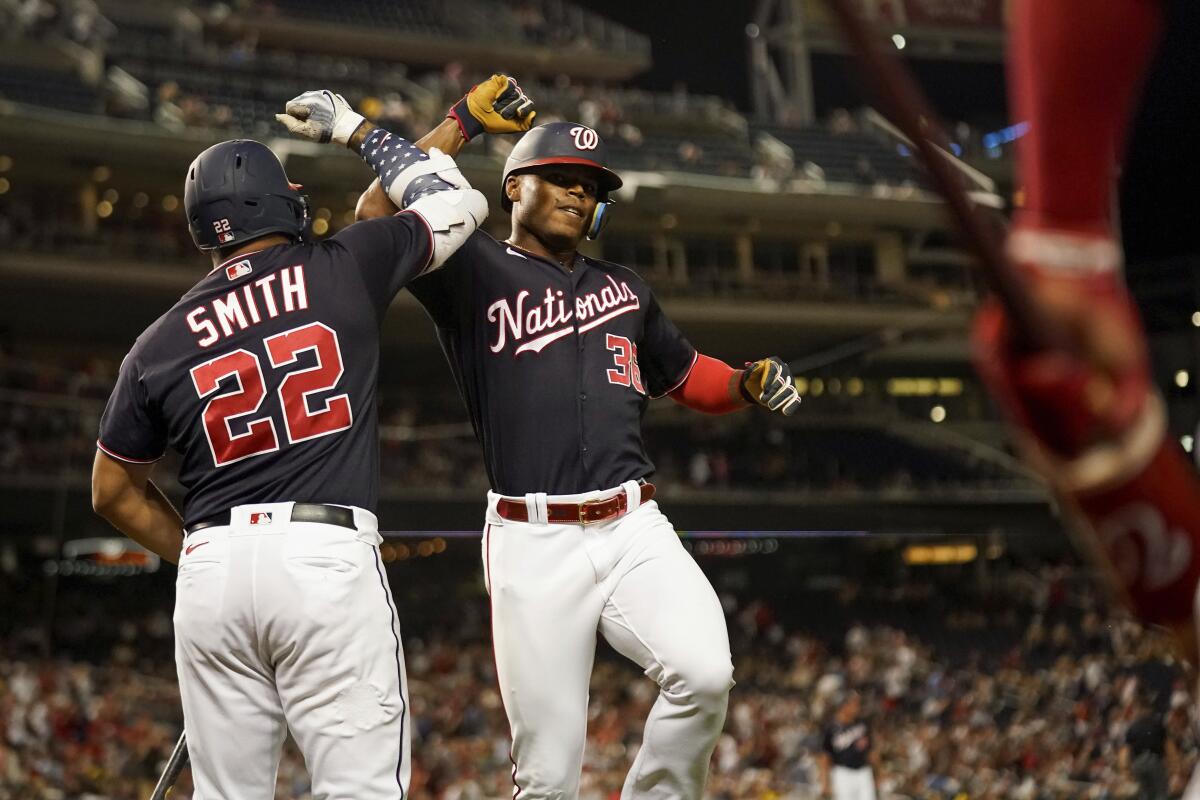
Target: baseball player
[(1086, 410), (263, 378), (847, 757), (556, 356)]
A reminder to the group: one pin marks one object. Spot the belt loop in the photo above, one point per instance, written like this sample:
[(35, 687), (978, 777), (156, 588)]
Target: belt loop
[(535, 508), (633, 495)]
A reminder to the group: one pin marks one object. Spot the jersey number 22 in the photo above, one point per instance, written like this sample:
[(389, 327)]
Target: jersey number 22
[(248, 395)]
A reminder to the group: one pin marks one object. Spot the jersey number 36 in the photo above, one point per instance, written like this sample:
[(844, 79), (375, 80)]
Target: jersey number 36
[(248, 395)]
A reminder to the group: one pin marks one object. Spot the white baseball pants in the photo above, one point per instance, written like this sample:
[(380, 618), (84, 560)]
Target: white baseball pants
[(553, 587), (853, 784), (280, 625)]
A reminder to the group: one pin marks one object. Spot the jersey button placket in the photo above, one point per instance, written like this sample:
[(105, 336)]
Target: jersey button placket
[(580, 383)]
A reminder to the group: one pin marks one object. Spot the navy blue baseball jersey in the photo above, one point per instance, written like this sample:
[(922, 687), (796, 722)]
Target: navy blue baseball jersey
[(556, 366), (263, 375), (848, 744)]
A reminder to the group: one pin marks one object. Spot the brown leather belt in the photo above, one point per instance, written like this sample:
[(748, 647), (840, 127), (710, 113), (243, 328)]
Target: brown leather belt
[(585, 513)]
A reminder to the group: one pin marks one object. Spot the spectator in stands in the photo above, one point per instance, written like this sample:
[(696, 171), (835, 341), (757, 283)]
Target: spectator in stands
[(166, 107), (396, 115), (1145, 751), (689, 153), (841, 122), (32, 18), (85, 24)]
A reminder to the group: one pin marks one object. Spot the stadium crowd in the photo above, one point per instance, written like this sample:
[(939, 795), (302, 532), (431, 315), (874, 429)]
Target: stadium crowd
[(1028, 696)]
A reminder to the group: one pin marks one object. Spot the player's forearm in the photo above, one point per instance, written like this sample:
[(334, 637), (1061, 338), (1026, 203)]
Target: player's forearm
[(147, 517), (711, 387), (447, 137), (374, 202)]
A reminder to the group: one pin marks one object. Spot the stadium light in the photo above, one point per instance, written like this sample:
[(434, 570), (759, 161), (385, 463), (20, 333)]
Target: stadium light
[(1188, 442), (899, 41), (1182, 378), (937, 413), (1196, 319)]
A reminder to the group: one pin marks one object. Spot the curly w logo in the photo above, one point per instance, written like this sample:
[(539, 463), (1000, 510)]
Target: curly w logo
[(585, 138)]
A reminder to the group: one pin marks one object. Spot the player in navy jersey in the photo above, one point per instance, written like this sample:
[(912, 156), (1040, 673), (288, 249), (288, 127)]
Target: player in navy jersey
[(557, 356), (263, 377), (847, 757)]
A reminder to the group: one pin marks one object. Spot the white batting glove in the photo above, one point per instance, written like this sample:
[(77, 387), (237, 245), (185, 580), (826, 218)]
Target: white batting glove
[(321, 116)]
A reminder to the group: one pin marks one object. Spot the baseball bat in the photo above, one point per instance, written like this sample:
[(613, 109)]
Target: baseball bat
[(905, 103), (175, 765), (846, 350)]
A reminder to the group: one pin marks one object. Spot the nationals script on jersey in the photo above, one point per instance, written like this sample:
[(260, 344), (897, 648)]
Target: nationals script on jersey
[(263, 375), (556, 367)]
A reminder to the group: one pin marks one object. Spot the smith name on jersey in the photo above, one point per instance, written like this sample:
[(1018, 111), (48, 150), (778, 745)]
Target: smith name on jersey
[(274, 352)]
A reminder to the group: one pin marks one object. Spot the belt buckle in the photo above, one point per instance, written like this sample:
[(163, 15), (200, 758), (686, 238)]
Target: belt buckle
[(584, 519)]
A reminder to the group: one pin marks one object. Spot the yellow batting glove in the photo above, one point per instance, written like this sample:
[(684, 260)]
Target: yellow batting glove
[(498, 105), (769, 383)]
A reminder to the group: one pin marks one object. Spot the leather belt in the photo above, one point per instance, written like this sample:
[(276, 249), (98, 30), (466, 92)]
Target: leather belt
[(301, 512), (585, 513)]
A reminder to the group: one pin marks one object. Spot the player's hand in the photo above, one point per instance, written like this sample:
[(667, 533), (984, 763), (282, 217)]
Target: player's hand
[(321, 116), (498, 105), (769, 383), (1090, 393)]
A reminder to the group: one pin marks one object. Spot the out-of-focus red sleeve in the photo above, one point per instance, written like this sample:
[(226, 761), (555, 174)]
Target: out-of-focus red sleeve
[(711, 387)]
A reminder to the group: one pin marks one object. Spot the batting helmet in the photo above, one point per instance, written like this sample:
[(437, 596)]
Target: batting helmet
[(236, 191), (564, 143)]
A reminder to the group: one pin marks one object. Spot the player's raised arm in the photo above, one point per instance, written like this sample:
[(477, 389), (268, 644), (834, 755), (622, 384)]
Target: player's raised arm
[(429, 184), (498, 105)]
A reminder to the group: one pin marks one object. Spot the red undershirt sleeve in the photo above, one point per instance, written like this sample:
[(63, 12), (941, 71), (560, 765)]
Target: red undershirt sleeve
[(711, 387)]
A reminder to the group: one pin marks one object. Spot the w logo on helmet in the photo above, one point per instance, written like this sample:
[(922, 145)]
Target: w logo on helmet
[(585, 138)]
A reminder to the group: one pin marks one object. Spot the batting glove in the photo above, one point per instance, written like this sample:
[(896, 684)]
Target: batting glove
[(498, 105), (769, 383), (321, 116)]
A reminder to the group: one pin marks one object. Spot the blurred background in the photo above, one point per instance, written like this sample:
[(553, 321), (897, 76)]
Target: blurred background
[(887, 542)]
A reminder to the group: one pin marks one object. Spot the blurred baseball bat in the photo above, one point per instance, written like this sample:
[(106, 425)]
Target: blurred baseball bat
[(846, 350), (905, 104), (175, 765)]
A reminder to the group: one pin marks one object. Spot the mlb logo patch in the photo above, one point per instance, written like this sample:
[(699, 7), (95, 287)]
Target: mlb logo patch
[(260, 518), (235, 271), (225, 237)]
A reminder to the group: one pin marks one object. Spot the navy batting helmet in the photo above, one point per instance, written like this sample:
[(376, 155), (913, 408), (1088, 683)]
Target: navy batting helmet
[(564, 143), (236, 191)]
